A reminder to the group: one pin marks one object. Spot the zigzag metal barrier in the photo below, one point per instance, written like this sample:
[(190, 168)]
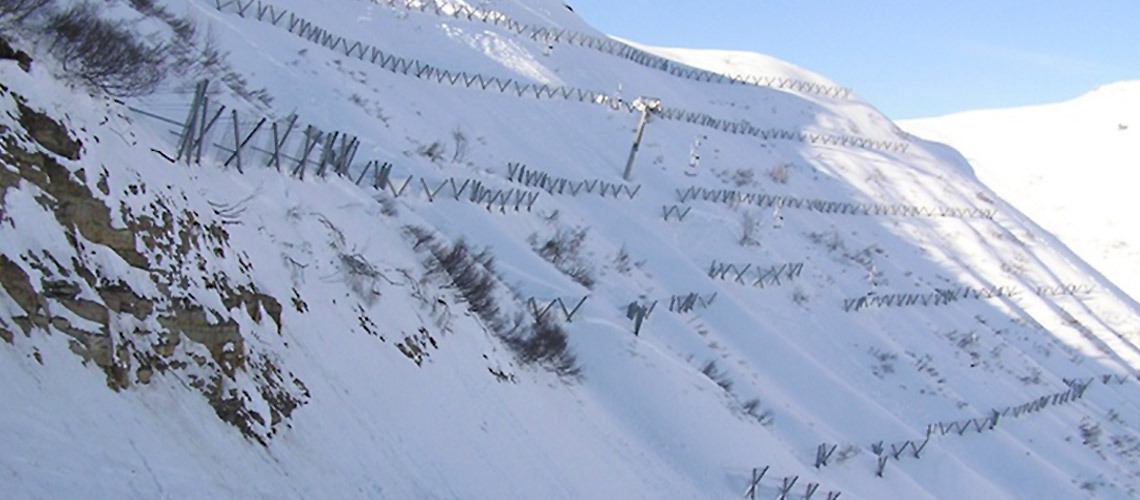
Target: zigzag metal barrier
[(732, 196), (475, 191), (743, 127), (533, 305), (1106, 379), (1053, 291), (784, 487), (764, 276), (637, 312), (194, 137), (318, 152), (681, 304), (688, 303), (297, 25), (550, 35), (283, 18), (1113, 378), (960, 427), (518, 172), (914, 447), (939, 297), (676, 211)]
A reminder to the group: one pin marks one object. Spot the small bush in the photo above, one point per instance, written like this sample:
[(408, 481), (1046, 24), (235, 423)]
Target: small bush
[(779, 173), (800, 297), (564, 250), (713, 372), (473, 275), (105, 54), (752, 408), (1090, 433), (19, 10), (750, 223), (460, 154), (846, 453), (544, 342), (433, 152), (830, 240), (360, 276), (744, 177), (625, 264)]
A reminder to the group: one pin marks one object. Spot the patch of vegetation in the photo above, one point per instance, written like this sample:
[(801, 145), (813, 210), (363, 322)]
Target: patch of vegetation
[(105, 54), (564, 249), (543, 342)]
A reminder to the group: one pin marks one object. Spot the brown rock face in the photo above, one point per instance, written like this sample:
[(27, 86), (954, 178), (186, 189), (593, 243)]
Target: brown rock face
[(134, 334), (49, 133)]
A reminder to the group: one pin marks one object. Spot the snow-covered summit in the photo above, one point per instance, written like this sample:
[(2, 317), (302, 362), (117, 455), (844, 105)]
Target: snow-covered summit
[(1067, 165)]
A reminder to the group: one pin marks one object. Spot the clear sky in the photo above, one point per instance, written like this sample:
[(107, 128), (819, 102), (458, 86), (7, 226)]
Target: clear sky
[(909, 58)]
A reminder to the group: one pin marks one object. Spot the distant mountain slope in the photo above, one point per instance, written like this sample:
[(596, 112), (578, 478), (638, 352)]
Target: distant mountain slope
[(1071, 166)]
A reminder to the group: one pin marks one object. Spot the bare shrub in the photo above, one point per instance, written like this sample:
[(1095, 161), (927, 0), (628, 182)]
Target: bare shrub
[(564, 250), (750, 222), (473, 275), (744, 177), (461, 142), (19, 10), (434, 151), (1031, 378), (831, 240), (713, 372), (800, 297), (542, 342), (545, 343), (360, 276), (884, 362), (753, 409), (1090, 433), (104, 54), (779, 173), (194, 54), (846, 453), (625, 264)]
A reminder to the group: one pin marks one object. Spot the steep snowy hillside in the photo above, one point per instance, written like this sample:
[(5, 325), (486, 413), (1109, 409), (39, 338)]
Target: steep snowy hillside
[(353, 249), (1067, 165)]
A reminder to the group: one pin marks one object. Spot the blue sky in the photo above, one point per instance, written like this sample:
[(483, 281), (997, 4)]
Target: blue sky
[(913, 58)]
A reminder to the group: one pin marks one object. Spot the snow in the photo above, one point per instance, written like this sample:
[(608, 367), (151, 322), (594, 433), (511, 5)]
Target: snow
[(644, 421), (1065, 165)]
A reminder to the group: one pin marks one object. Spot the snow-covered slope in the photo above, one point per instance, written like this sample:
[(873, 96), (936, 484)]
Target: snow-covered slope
[(1070, 166), (784, 274)]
